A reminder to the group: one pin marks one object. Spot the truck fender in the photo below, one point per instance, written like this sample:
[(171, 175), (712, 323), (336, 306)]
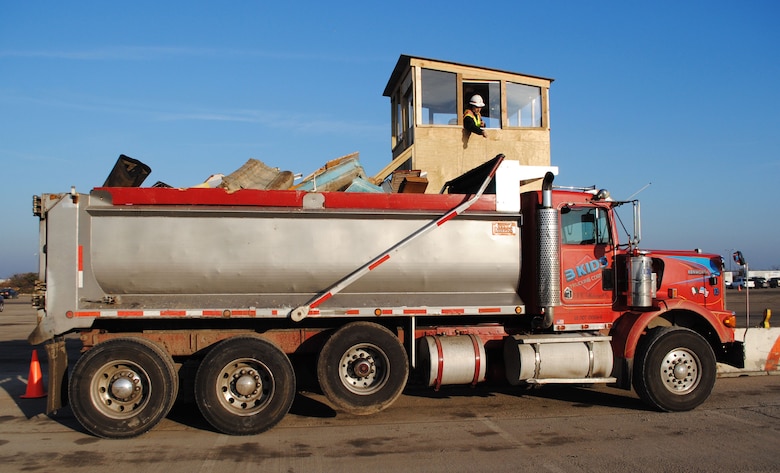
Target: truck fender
[(630, 327)]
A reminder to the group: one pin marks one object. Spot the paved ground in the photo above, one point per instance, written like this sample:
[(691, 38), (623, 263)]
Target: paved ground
[(566, 429), (760, 300)]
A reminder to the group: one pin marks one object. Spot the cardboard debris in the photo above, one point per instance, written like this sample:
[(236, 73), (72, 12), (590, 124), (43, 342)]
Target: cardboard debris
[(212, 181), (334, 178), (336, 175), (329, 165), (363, 185), (413, 185), (344, 174), (255, 174), (398, 177)]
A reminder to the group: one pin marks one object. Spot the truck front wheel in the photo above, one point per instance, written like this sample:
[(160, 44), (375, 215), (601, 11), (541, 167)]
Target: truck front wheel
[(674, 369), (362, 368), (123, 387), (245, 385)]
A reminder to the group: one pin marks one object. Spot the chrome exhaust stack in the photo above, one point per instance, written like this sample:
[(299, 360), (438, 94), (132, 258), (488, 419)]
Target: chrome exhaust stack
[(549, 257)]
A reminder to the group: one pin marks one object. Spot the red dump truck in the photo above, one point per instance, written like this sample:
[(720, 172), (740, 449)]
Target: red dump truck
[(478, 283)]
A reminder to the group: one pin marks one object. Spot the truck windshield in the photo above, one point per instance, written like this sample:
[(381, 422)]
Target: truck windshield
[(584, 226)]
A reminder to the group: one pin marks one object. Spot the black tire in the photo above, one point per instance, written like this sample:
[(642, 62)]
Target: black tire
[(362, 368), (674, 369), (123, 387), (244, 385)]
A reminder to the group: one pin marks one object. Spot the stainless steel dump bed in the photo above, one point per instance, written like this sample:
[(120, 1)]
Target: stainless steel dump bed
[(164, 252)]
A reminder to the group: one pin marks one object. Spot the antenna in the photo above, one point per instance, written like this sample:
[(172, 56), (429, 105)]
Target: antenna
[(640, 190)]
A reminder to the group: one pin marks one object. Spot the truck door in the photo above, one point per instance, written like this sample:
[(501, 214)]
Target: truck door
[(586, 257)]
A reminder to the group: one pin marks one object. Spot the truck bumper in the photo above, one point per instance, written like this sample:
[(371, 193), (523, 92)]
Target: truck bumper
[(761, 347)]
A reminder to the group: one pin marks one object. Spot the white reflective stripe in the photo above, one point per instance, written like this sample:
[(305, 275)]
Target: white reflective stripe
[(317, 312)]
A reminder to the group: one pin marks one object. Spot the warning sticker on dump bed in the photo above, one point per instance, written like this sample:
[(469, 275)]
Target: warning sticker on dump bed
[(504, 228)]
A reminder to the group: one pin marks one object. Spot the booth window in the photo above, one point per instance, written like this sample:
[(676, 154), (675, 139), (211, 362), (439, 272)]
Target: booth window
[(524, 105), (439, 98), (403, 113), (490, 91)]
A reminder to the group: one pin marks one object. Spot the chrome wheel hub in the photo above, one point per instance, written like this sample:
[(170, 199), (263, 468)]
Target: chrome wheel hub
[(680, 371), (120, 389), (363, 369), (245, 386)]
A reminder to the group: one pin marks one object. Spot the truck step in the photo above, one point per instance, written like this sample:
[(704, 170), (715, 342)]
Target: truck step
[(541, 381)]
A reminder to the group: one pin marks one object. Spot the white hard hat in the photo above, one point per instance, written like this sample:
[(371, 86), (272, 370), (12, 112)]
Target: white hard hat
[(476, 101)]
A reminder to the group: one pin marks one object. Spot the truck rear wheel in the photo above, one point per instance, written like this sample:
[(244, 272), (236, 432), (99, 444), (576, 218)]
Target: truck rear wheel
[(674, 369), (245, 385), (123, 387), (362, 368)]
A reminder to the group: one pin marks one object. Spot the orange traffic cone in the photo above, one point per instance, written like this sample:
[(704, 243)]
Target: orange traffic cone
[(34, 380)]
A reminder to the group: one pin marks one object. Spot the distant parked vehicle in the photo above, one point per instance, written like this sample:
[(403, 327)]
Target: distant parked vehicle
[(761, 283), (774, 282), (9, 293), (741, 283)]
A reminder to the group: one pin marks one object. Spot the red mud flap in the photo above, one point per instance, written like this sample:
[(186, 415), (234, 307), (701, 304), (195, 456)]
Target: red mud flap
[(762, 353)]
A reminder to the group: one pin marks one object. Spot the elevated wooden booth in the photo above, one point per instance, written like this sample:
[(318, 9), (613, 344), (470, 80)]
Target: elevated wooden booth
[(428, 98)]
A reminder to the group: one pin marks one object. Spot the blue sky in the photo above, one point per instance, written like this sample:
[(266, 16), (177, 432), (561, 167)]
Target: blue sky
[(680, 94)]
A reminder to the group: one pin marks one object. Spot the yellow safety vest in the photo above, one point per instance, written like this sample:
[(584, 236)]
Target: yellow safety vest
[(477, 117)]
